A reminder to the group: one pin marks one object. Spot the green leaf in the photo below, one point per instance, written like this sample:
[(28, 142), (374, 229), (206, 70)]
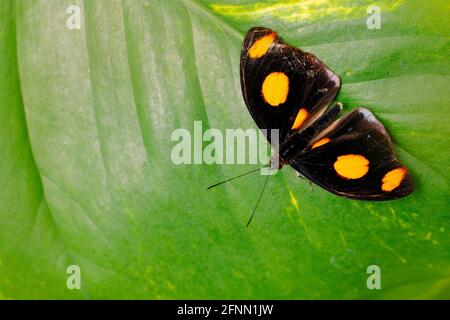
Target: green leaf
[(87, 179)]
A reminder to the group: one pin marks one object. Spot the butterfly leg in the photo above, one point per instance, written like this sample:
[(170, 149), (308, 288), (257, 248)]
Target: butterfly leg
[(300, 175), (310, 184)]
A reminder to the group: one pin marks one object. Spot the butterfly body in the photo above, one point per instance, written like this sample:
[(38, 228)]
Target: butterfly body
[(292, 91)]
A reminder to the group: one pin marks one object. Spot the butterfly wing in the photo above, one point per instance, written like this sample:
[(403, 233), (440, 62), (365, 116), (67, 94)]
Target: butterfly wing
[(354, 158), (284, 87)]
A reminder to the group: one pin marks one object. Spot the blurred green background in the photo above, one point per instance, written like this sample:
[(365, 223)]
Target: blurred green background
[(85, 171)]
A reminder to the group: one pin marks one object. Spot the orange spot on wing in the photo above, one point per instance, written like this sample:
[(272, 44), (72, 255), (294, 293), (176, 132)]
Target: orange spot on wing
[(275, 88), (320, 142), (393, 178), (351, 166), (300, 118), (261, 46)]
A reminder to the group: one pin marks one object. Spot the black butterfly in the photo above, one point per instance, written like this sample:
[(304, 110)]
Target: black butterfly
[(291, 90)]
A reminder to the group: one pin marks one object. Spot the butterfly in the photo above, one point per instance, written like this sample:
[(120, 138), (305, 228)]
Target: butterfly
[(292, 91)]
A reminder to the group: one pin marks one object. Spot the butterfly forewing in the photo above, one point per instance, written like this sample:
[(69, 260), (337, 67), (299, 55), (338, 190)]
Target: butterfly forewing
[(284, 87)]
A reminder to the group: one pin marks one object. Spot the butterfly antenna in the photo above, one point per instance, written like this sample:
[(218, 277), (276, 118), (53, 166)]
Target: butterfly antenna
[(259, 199), (241, 175)]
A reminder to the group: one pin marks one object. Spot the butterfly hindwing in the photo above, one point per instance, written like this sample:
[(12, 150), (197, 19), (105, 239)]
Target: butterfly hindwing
[(353, 158), (284, 87)]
